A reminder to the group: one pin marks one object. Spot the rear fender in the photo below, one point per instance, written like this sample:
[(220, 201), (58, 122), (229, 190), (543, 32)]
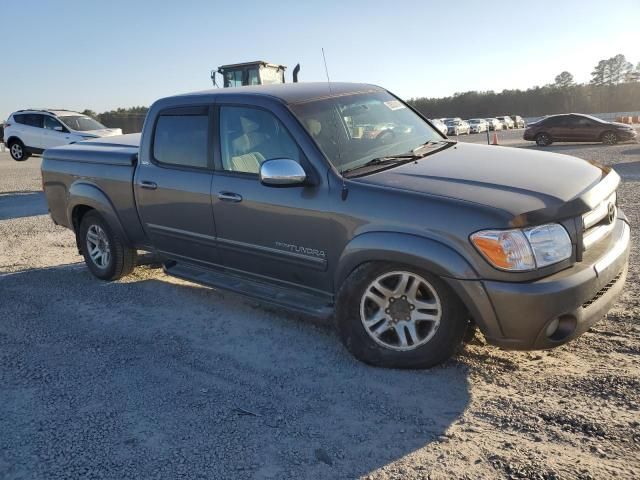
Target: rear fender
[(90, 195)]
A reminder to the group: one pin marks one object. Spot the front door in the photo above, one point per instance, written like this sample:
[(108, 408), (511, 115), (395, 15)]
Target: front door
[(279, 235), (173, 187), (54, 133)]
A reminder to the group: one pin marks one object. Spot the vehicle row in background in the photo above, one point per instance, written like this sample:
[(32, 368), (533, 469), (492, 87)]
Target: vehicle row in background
[(29, 132), (576, 127), (458, 126)]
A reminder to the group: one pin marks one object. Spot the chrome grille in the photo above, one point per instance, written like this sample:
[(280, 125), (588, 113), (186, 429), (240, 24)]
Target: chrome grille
[(599, 222)]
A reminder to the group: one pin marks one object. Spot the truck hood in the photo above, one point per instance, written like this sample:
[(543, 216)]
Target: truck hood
[(516, 180)]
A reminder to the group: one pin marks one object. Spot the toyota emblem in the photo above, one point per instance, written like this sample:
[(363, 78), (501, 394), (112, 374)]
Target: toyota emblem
[(611, 215)]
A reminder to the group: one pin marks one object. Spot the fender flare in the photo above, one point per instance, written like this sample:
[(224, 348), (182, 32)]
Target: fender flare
[(406, 248), (430, 255), (90, 195)]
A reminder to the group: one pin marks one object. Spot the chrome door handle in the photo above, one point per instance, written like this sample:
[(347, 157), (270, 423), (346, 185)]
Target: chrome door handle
[(148, 185), (229, 197)]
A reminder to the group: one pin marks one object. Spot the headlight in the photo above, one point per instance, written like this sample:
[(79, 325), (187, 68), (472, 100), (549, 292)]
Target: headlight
[(520, 250)]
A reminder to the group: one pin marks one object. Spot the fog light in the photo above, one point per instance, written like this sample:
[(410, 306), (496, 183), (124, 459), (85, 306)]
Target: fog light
[(552, 327)]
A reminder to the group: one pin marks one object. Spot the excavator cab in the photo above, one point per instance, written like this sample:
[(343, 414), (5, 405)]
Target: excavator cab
[(252, 73)]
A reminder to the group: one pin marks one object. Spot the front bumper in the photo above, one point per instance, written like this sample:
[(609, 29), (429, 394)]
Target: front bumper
[(518, 315), (626, 135)]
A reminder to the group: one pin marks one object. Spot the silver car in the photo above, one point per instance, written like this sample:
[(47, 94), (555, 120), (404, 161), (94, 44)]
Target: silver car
[(477, 125)]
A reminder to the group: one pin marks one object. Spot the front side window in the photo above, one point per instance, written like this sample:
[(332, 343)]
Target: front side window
[(249, 136), (181, 140), (51, 123), (352, 130)]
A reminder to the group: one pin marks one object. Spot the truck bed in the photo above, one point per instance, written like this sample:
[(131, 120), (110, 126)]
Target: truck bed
[(95, 167)]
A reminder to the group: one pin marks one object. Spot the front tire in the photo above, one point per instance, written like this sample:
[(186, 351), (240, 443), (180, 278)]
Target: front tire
[(18, 151), (105, 253), (396, 316), (609, 138), (543, 140)]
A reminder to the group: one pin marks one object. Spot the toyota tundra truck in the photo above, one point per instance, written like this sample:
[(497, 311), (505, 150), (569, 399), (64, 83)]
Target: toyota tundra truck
[(404, 238)]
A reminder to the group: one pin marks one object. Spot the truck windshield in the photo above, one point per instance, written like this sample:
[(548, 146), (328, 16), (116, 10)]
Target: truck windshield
[(81, 123), (352, 130)]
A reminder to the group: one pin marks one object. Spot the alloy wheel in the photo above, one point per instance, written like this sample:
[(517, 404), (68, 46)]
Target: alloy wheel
[(98, 246), (16, 151), (609, 138), (400, 310)]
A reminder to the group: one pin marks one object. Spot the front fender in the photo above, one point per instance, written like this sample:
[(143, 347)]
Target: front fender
[(408, 249), (84, 193), (430, 255)]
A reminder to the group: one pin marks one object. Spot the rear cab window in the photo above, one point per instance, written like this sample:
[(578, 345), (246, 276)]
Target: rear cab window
[(181, 137)]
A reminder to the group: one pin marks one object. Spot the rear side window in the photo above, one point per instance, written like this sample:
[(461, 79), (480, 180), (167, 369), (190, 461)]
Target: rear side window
[(29, 119), (181, 138), (555, 121)]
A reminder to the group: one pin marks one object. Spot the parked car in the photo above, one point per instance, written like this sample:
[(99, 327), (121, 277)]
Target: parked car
[(440, 125), (518, 121), (494, 124), (30, 132), (266, 192), (457, 126), (507, 122), (576, 127), (477, 125)]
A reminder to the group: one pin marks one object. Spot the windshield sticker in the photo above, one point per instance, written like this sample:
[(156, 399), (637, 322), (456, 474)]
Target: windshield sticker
[(394, 105)]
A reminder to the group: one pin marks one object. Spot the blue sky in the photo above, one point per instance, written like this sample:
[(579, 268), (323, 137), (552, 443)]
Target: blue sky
[(102, 55)]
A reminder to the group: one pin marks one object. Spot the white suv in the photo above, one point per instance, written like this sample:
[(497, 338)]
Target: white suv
[(28, 132)]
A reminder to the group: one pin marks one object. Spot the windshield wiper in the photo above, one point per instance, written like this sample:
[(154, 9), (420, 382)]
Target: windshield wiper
[(383, 161), (415, 154)]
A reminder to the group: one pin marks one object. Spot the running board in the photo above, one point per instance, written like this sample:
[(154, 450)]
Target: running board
[(289, 298)]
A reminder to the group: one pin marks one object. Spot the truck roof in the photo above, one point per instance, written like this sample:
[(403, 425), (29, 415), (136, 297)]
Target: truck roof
[(290, 93)]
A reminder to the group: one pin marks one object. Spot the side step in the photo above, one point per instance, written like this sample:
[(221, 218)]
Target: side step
[(292, 299)]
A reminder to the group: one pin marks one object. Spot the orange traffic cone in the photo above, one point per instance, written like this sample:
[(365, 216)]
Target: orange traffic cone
[(495, 139)]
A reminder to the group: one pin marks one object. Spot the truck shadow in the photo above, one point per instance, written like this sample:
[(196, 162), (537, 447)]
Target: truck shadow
[(22, 204), (155, 367)]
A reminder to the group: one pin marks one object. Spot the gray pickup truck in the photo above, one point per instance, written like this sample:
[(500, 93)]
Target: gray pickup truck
[(343, 202)]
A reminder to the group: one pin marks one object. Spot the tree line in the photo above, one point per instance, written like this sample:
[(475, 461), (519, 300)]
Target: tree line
[(614, 87), (130, 120)]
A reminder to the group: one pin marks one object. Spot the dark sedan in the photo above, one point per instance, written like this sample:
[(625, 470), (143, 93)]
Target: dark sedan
[(575, 127)]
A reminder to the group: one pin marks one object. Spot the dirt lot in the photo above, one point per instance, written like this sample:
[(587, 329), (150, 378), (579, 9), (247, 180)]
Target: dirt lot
[(152, 377)]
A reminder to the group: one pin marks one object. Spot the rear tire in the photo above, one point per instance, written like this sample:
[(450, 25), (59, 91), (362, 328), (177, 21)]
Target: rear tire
[(105, 253), (18, 151), (609, 138), (543, 140), (394, 342)]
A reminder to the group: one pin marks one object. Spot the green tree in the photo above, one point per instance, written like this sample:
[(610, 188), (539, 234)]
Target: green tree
[(619, 69), (600, 74), (90, 113), (564, 80)]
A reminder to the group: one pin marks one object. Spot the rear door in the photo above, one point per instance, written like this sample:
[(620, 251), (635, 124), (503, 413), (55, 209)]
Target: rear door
[(31, 131), (173, 186)]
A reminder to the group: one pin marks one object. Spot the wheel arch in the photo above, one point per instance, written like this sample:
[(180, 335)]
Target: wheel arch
[(430, 255), (409, 249), (13, 138), (85, 197)]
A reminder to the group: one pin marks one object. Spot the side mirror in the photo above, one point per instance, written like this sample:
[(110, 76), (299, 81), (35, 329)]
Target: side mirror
[(282, 172), (58, 129)]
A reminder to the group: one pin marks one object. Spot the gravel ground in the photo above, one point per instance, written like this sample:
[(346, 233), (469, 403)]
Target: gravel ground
[(152, 377)]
